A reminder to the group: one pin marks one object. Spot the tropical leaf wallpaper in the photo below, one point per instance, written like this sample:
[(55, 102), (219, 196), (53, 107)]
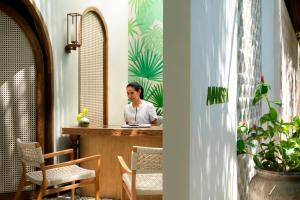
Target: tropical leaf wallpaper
[(145, 54)]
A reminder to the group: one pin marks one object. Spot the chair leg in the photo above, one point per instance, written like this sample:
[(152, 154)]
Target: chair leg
[(123, 193), (97, 192), (133, 197), (20, 188), (73, 192), (40, 193)]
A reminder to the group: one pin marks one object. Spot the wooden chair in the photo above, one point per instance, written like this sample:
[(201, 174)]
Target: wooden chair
[(145, 175), (56, 174)]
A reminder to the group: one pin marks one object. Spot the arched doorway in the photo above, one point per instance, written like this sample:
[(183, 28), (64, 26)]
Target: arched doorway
[(26, 88)]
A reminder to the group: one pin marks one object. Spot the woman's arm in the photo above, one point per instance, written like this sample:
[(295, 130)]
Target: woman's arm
[(152, 114), (125, 116), (154, 122)]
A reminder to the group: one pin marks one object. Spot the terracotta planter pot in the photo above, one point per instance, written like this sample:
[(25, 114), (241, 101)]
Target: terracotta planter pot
[(268, 185)]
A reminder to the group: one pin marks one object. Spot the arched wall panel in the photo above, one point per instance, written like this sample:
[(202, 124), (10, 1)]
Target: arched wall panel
[(18, 100), (92, 68)]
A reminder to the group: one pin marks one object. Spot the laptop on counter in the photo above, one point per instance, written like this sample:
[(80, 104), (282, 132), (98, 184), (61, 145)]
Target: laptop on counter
[(136, 126)]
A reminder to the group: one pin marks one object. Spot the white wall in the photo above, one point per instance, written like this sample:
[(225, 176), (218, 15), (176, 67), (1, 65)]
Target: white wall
[(115, 13), (200, 50), (288, 60), (270, 45), (212, 128), (280, 55)]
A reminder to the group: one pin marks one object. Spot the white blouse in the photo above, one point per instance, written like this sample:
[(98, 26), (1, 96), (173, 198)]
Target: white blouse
[(143, 114)]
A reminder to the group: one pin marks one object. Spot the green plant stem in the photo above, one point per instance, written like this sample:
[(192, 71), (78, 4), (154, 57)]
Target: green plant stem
[(267, 99)]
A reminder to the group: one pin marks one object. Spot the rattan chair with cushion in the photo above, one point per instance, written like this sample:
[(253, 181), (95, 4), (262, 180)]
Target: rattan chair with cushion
[(62, 175), (145, 176)]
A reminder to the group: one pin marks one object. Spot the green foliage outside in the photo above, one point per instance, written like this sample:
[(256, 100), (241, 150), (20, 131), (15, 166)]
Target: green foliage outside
[(145, 54), (275, 143)]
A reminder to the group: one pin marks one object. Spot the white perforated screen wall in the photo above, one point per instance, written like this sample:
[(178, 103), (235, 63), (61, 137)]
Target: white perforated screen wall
[(249, 59), (249, 71), (91, 68), (17, 99)]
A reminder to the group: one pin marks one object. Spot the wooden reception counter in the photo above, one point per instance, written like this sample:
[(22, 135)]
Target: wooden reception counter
[(109, 142)]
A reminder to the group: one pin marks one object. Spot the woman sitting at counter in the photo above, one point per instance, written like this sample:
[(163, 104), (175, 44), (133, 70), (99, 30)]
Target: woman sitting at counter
[(138, 111)]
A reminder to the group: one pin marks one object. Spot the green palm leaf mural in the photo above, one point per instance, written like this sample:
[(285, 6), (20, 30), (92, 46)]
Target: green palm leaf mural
[(145, 54), (133, 28), (150, 16), (140, 6), (153, 39), (148, 65), (159, 111), (135, 50), (156, 97)]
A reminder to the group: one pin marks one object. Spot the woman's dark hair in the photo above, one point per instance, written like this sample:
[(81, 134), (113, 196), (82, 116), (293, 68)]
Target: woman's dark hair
[(137, 87)]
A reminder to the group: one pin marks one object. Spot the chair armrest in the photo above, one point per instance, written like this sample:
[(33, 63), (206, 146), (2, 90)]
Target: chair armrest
[(72, 162), (124, 168), (59, 153)]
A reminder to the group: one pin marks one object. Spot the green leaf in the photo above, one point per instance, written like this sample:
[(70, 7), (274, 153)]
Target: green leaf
[(257, 162), (209, 98), (285, 129), (140, 6), (153, 39), (273, 114), (147, 65), (216, 95), (271, 131), (213, 94), (258, 90), (133, 28), (240, 145), (270, 155), (135, 50), (159, 111), (265, 118), (264, 89), (296, 119), (278, 103), (157, 95), (256, 99), (244, 129), (150, 15)]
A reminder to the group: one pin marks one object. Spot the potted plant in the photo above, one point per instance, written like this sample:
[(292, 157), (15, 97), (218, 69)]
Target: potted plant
[(82, 119), (275, 147)]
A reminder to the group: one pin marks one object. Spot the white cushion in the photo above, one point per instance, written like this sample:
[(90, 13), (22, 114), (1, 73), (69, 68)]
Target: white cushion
[(61, 175), (146, 184)]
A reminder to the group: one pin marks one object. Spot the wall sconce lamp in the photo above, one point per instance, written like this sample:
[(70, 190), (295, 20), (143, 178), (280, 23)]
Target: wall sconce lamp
[(73, 36)]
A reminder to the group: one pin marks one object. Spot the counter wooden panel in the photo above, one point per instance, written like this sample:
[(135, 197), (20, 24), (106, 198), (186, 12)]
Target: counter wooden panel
[(109, 142)]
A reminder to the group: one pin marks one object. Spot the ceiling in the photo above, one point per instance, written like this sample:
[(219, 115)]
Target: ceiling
[(293, 7)]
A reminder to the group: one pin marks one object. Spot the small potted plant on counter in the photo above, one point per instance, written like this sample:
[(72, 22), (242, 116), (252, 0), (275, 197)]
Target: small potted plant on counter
[(275, 147), (82, 119)]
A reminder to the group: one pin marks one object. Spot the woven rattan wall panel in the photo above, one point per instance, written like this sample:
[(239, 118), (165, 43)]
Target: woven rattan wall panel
[(17, 99), (91, 68)]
